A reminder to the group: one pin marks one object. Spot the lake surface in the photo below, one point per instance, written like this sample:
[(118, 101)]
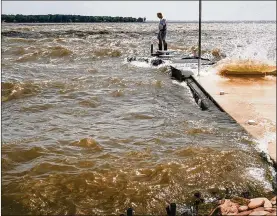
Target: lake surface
[(86, 132)]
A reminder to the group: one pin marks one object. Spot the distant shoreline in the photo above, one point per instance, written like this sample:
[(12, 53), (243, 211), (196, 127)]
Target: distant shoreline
[(63, 18)]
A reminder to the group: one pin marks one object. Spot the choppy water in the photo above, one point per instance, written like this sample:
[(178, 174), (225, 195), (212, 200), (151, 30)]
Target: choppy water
[(85, 132)]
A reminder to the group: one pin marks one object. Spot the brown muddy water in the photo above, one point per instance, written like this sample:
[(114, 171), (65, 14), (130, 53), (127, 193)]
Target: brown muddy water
[(85, 132)]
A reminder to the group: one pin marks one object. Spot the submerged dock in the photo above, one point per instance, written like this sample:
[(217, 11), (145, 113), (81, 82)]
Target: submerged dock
[(251, 102)]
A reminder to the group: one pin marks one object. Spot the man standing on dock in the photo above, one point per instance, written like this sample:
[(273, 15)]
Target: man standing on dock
[(162, 32)]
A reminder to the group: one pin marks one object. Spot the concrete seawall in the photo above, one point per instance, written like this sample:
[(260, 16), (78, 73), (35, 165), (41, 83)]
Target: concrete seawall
[(251, 102), (247, 99)]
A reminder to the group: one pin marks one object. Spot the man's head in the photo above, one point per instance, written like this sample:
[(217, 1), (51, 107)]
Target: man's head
[(160, 15)]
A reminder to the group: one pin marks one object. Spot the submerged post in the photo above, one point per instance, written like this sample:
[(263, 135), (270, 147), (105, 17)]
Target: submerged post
[(172, 209), (199, 38), (129, 212)]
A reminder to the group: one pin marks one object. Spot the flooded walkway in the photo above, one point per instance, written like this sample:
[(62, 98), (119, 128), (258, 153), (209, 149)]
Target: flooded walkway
[(248, 99)]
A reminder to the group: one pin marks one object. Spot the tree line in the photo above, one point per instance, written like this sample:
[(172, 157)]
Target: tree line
[(59, 18)]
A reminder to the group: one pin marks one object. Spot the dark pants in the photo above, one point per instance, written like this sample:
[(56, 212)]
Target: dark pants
[(161, 38)]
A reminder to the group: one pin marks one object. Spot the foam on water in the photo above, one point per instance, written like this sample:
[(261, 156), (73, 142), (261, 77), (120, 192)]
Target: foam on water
[(263, 142), (185, 86), (259, 175), (140, 64)]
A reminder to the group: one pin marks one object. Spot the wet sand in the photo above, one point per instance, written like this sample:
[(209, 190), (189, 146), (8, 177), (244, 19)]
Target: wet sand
[(248, 99)]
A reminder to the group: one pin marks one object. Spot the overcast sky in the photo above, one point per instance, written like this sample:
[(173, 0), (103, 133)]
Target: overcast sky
[(172, 10)]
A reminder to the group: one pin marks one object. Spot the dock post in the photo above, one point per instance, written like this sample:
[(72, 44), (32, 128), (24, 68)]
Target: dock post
[(198, 201), (171, 209), (129, 212)]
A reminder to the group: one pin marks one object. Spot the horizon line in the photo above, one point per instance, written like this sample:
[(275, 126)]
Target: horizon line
[(148, 20)]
